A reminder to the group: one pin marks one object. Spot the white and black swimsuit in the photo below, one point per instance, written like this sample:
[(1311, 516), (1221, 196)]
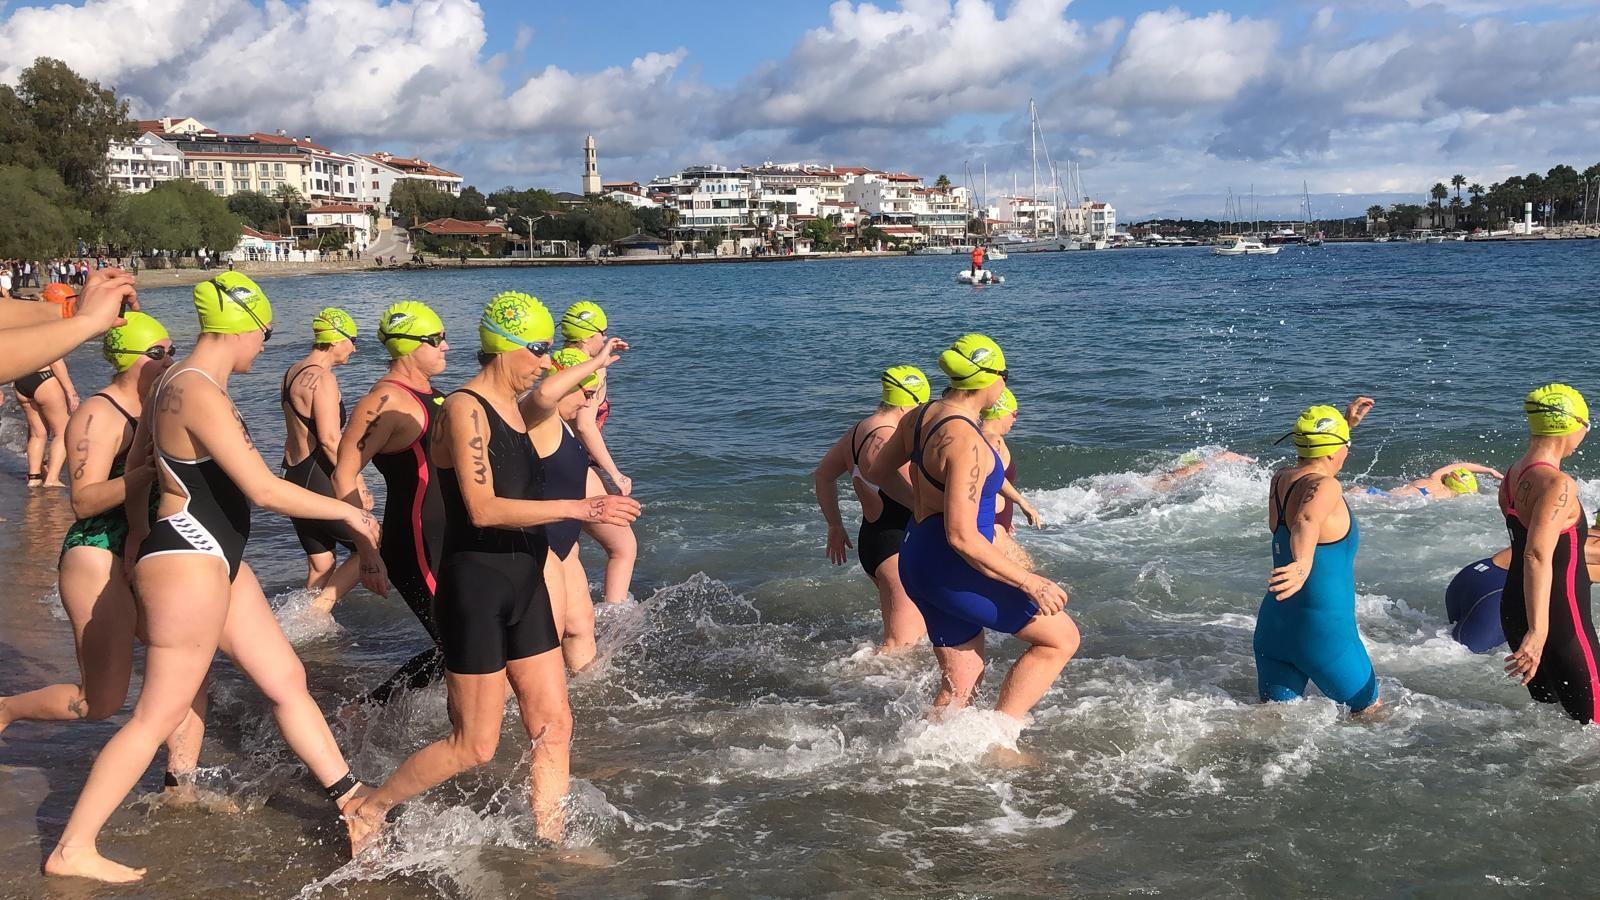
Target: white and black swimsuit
[(215, 519)]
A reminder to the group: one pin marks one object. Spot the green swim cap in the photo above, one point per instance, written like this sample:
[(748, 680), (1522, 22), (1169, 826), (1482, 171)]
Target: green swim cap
[(404, 324), (1554, 410), (514, 320), (1461, 481), (583, 320), (972, 362), (1005, 406), (125, 344), (1320, 431), (567, 357), (332, 325), (904, 386), (231, 303)]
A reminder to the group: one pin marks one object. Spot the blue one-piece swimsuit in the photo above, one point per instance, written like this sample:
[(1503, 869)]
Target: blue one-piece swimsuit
[(956, 600), (1312, 634)]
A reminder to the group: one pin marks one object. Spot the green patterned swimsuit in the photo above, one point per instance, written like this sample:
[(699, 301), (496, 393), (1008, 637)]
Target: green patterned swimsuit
[(107, 530)]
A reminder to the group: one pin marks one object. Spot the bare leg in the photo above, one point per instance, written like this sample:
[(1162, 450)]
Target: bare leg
[(342, 580), (573, 609), (38, 435), (477, 706), (960, 669), (622, 549), (51, 398), (252, 639), (1008, 545), (540, 683), (319, 566), (1055, 640), (902, 621), (185, 603)]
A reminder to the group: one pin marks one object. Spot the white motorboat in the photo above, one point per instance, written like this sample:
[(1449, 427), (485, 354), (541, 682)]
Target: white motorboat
[(1244, 246), (995, 254), (984, 276), (935, 251)]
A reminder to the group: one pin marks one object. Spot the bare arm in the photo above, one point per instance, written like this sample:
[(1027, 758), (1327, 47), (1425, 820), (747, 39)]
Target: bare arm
[(890, 458), (59, 367), (540, 403), (468, 436), (1547, 501), (826, 481), (324, 391), (898, 484), (1010, 492), (1321, 497), (1358, 409), (94, 434), (372, 425), (1481, 470), (37, 337)]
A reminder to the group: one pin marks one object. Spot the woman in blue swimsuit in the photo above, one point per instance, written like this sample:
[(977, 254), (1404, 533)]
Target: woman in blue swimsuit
[(949, 564), (1306, 626)]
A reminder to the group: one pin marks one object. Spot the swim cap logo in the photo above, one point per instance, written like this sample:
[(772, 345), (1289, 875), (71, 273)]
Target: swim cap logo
[(1325, 425), (911, 381), (979, 354)]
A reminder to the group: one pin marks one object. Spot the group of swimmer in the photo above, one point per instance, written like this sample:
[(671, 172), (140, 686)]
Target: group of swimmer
[(488, 490), (929, 476)]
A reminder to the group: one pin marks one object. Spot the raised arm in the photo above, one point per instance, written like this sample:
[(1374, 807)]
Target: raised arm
[(540, 403), (1358, 409), (825, 479), (37, 337), (966, 462), (1547, 501), (467, 434), (1322, 495), (94, 434)]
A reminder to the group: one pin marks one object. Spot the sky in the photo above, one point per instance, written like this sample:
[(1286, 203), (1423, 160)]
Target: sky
[(1165, 107)]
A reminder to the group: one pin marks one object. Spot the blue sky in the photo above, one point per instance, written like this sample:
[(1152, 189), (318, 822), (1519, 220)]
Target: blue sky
[(1164, 106)]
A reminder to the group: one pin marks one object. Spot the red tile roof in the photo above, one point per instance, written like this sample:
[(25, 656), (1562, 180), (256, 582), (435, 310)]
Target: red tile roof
[(338, 208), (456, 227), (410, 166)]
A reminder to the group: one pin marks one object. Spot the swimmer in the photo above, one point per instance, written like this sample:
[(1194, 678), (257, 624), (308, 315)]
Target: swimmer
[(492, 607), (391, 427), (1306, 626), (549, 409), (313, 415), (1457, 479), (583, 327), (94, 589), (885, 510), (47, 398), (997, 423), (1545, 607), (1191, 464), (949, 564), (196, 594)]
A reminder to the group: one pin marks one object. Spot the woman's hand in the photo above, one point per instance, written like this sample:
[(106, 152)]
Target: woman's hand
[(1029, 513), (610, 349), (1524, 663), (1050, 597), (1358, 409), (611, 509), (838, 543), (363, 526), (1286, 581), (374, 574), (624, 484)]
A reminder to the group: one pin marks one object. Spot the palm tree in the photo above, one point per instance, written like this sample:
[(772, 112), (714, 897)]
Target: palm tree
[(1476, 191), (1374, 216), (1438, 193), (289, 196), (1458, 181)]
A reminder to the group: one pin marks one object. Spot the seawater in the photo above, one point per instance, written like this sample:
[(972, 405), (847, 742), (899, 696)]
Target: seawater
[(740, 738)]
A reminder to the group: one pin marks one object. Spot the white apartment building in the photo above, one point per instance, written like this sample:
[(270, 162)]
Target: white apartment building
[(228, 164), (708, 197), (378, 172), (348, 218), (886, 198), (632, 193), (1019, 214), (139, 165), (941, 213)]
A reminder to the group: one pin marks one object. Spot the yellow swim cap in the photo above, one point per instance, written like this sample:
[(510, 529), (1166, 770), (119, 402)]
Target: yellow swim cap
[(231, 303), (126, 343), (1005, 406), (1460, 481), (904, 386), (567, 357), (582, 320), (515, 320), (332, 325), (404, 325), (1320, 431), (1554, 410), (973, 362)]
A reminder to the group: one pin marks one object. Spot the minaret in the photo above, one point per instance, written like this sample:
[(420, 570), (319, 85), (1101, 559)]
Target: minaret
[(591, 169)]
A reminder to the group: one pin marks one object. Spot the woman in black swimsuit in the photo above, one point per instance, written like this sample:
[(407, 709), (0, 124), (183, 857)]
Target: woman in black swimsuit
[(884, 511), (492, 609), (313, 417), (550, 410), (195, 592)]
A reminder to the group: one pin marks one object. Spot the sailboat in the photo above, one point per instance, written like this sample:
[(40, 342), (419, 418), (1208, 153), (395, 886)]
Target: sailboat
[(1313, 238), (1036, 241)]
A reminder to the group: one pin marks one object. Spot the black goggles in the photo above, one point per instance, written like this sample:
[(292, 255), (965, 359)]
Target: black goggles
[(1531, 408), (432, 340), (156, 353), (234, 295)]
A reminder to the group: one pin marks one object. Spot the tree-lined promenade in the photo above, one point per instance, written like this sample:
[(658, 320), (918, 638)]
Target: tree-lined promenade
[(1561, 196)]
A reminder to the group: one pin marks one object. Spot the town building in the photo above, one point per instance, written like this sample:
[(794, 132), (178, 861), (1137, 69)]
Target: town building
[(329, 177), (348, 219), (479, 236), (591, 168), (171, 125), (137, 166), (632, 193), (228, 164), (886, 198), (378, 172)]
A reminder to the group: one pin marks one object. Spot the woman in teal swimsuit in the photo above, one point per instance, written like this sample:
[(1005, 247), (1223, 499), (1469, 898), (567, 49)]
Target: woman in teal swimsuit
[(94, 589)]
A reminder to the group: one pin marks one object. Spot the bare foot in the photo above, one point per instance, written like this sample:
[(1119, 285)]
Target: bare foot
[(5, 717), (365, 826), (1007, 758), (552, 824), (324, 603), (86, 862), (56, 483), (189, 794)]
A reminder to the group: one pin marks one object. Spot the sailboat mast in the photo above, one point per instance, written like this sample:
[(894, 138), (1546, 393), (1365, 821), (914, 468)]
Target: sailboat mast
[(1033, 148)]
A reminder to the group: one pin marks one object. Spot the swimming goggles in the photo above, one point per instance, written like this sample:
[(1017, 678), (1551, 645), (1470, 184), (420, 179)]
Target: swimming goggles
[(1332, 440), (1531, 408), (894, 382), (537, 348), (239, 295), (156, 353), (432, 340)]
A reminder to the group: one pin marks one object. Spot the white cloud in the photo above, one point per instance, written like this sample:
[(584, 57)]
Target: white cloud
[(1173, 60)]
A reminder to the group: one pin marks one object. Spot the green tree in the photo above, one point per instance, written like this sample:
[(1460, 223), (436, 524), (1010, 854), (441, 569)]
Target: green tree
[(943, 183), (1458, 181), (256, 209), (417, 201), (57, 120), (40, 220), (822, 233), (656, 220), (1438, 192), (292, 206), (180, 216), (471, 206), (871, 237), (713, 239), (1375, 220)]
